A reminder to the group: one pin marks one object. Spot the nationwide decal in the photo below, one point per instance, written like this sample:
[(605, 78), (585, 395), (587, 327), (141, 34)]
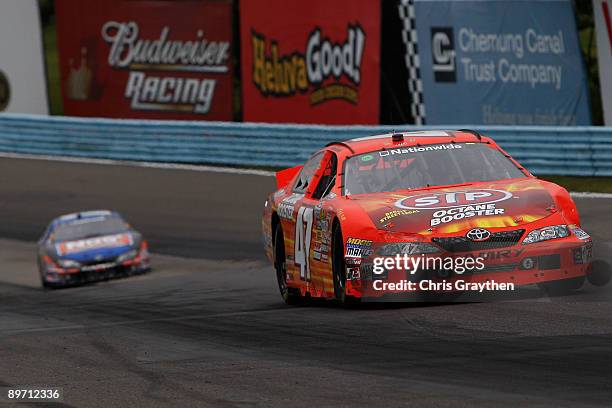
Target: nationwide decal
[(163, 91), (318, 69), (418, 149)]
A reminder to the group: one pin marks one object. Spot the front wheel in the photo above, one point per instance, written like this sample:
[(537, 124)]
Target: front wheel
[(339, 269), (600, 273), (291, 296)]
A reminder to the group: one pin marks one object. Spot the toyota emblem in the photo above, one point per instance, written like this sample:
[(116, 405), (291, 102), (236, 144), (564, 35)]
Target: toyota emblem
[(478, 234)]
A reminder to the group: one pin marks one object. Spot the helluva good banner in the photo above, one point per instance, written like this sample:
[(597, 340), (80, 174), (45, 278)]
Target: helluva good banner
[(146, 58), (310, 62)]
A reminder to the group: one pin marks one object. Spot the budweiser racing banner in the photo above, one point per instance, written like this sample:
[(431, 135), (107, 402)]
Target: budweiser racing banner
[(511, 62), (311, 61), (146, 58)]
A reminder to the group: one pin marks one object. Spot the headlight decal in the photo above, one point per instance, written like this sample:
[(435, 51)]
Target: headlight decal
[(580, 233), (546, 233), (128, 255), (68, 263)]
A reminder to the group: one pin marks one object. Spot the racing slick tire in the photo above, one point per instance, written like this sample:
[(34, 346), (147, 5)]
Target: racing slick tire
[(43, 281), (48, 285), (291, 296), (600, 273), (339, 269), (562, 287), (45, 284)]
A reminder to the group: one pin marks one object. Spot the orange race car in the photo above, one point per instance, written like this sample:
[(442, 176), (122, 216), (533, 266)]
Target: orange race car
[(396, 216)]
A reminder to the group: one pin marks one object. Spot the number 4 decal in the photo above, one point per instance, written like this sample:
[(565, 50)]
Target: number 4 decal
[(303, 230)]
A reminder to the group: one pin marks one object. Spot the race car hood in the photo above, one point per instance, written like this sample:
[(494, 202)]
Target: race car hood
[(459, 208), (96, 248)]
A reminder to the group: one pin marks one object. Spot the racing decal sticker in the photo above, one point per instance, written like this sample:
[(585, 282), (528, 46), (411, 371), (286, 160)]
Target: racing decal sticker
[(108, 241), (389, 215), (321, 252), (303, 238), (459, 213), (457, 205), (392, 152), (358, 248), (498, 255), (286, 208), (451, 199), (322, 233), (452, 209)]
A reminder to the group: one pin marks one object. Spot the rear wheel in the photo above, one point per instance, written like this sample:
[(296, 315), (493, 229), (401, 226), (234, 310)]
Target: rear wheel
[(562, 287), (291, 296), (339, 269)]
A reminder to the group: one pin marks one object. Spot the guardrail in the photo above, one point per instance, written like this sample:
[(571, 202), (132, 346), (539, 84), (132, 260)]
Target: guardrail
[(579, 151)]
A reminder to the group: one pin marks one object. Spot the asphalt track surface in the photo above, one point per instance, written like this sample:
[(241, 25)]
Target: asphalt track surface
[(207, 326)]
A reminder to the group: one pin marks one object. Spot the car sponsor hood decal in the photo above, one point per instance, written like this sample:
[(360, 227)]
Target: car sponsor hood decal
[(83, 245), (453, 209)]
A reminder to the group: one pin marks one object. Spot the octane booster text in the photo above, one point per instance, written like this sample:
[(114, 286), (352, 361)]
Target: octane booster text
[(458, 213)]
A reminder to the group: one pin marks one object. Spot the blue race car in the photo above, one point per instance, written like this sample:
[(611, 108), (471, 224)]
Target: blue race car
[(90, 246)]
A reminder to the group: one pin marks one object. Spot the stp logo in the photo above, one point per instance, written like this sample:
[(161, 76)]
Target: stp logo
[(452, 199)]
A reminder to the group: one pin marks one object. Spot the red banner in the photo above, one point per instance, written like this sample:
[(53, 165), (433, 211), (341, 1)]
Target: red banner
[(311, 61), (146, 59)]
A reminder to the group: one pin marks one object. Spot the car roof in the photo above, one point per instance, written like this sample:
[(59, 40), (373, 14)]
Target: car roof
[(376, 142)]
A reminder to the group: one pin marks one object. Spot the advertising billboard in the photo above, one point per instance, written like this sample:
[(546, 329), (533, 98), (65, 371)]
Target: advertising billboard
[(492, 62), (146, 58), (310, 62), (23, 87), (602, 11)]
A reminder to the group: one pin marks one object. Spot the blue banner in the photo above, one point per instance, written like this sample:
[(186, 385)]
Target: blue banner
[(512, 62)]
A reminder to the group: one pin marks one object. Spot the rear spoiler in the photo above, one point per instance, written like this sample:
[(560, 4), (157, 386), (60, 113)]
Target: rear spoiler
[(283, 177)]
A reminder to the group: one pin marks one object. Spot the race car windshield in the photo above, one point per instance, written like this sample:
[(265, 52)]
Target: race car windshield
[(89, 228), (426, 166)]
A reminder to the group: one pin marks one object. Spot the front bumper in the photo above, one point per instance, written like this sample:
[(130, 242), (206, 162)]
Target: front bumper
[(57, 276), (518, 265)]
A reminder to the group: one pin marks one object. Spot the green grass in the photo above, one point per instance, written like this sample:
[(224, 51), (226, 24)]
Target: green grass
[(592, 184), (52, 66)]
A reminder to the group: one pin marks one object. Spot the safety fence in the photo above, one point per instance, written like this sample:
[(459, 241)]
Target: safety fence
[(578, 151)]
